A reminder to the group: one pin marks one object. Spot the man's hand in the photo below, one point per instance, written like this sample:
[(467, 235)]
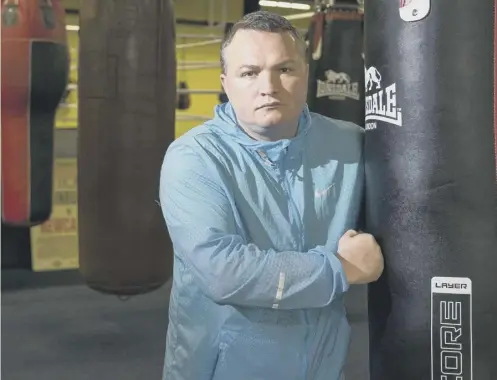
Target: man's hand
[(361, 257)]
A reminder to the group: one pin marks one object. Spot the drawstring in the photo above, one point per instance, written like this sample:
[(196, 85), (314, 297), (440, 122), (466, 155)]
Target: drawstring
[(263, 155), (293, 170)]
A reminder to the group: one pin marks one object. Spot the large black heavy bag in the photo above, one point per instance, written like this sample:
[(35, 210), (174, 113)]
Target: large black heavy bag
[(127, 98), (431, 188), (336, 68)]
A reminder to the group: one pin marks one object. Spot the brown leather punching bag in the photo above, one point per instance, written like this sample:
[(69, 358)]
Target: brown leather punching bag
[(127, 99), (34, 75)]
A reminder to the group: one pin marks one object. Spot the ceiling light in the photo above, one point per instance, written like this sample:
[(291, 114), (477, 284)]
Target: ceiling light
[(284, 4)]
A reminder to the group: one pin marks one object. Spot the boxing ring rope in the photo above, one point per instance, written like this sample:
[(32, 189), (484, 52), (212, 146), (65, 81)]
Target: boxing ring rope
[(188, 62), (210, 65), (199, 91), (74, 86), (198, 44), (199, 36)]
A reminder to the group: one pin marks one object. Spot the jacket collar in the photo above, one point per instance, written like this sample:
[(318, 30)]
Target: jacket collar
[(275, 150)]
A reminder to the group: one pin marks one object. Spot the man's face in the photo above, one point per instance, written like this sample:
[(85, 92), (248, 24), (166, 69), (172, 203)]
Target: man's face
[(265, 79)]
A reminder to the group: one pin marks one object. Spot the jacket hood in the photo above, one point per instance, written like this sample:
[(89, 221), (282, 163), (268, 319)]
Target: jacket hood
[(225, 122)]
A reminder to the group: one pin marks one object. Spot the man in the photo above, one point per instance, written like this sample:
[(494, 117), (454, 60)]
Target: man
[(260, 203)]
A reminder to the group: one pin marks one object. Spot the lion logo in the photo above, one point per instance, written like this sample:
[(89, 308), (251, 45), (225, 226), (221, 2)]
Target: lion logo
[(372, 77), (334, 77)]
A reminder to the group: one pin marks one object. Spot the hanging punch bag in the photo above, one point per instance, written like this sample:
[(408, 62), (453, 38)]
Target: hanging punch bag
[(431, 190), (127, 99), (336, 68), (34, 75)]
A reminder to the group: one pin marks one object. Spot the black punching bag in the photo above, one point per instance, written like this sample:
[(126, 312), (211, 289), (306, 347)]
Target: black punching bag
[(127, 99), (431, 188), (336, 67)]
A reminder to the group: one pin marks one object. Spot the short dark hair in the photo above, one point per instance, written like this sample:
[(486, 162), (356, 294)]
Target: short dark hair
[(265, 22)]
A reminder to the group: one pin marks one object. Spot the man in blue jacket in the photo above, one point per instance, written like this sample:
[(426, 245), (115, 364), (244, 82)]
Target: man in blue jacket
[(261, 203)]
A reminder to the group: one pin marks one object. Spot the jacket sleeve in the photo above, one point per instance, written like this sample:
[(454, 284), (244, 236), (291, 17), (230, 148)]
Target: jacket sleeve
[(230, 271)]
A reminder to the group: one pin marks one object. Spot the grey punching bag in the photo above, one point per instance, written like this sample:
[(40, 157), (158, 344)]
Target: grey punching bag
[(336, 68), (431, 189), (127, 96)]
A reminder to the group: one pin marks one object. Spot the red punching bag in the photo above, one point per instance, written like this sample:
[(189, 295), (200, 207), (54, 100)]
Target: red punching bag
[(35, 67)]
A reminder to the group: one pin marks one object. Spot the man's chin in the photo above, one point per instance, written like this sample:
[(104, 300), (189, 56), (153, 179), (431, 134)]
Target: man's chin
[(271, 120)]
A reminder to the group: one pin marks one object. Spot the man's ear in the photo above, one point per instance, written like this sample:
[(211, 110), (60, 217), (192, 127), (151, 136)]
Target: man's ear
[(224, 80), (223, 98)]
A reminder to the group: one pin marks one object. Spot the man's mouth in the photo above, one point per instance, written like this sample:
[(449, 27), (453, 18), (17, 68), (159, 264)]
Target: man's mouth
[(269, 105)]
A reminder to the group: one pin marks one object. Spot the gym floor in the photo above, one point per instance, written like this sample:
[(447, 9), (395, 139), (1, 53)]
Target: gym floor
[(62, 330)]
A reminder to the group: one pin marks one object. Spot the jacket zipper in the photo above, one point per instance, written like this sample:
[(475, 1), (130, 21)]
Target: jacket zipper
[(286, 184), (293, 206), (295, 212), (300, 225)]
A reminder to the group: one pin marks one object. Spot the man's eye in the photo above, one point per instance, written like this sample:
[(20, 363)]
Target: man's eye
[(248, 74), (285, 70)]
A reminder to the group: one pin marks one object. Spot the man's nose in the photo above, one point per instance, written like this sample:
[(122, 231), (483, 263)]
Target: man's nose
[(268, 83)]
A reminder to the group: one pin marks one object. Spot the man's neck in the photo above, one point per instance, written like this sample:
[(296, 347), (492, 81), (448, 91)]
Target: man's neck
[(272, 133)]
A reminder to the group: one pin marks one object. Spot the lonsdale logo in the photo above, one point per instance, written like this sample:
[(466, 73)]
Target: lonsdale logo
[(337, 86), (381, 101)]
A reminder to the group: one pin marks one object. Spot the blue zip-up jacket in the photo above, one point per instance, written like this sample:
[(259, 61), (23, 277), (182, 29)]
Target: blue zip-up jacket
[(258, 291)]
